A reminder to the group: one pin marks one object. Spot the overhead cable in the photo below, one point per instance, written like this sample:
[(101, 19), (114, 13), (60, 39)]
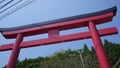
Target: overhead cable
[(2, 1), (6, 4), (17, 8), (10, 6)]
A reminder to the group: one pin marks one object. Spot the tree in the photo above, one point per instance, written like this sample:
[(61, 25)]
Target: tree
[(112, 51), (71, 59)]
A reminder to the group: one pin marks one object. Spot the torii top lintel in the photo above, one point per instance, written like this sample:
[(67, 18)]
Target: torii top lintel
[(61, 24)]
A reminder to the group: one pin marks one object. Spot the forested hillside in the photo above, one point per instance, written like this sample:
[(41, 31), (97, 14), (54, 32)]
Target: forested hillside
[(72, 58)]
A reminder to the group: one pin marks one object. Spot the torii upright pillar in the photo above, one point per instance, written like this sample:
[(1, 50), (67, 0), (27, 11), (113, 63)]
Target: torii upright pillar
[(100, 52), (15, 52)]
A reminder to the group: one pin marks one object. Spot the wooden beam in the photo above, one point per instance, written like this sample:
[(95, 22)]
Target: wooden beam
[(60, 26), (58, 39)]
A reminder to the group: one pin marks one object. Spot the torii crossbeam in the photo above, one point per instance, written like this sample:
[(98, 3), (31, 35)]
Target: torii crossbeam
[(54, 27)]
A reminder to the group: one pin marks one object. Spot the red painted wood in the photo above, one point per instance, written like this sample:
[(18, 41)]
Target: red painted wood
[(100, 52), (60, 25), (15, 52), (53, 33), (65, 38)]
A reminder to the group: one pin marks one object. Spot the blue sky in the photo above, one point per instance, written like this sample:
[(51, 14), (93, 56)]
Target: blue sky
[(44, 10)]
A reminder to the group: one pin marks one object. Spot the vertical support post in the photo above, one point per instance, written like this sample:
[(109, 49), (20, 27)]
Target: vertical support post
[(102, 58), (53, 33), (15, 52)]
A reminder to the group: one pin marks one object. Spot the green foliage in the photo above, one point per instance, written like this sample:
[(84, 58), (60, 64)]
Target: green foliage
[(71, 58), (112, 51)]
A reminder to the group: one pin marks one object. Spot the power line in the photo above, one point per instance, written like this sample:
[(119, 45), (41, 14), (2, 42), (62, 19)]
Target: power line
[(17, 8), (2, 1), (6, 4), (11, 6)]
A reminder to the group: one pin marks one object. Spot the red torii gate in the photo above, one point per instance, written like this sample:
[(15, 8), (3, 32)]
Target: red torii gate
[(54, 27)]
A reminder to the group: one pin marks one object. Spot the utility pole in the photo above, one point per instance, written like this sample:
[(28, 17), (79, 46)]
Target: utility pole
[(82, 59)]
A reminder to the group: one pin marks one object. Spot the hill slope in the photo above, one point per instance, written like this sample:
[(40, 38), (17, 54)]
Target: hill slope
[(71, 58)]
